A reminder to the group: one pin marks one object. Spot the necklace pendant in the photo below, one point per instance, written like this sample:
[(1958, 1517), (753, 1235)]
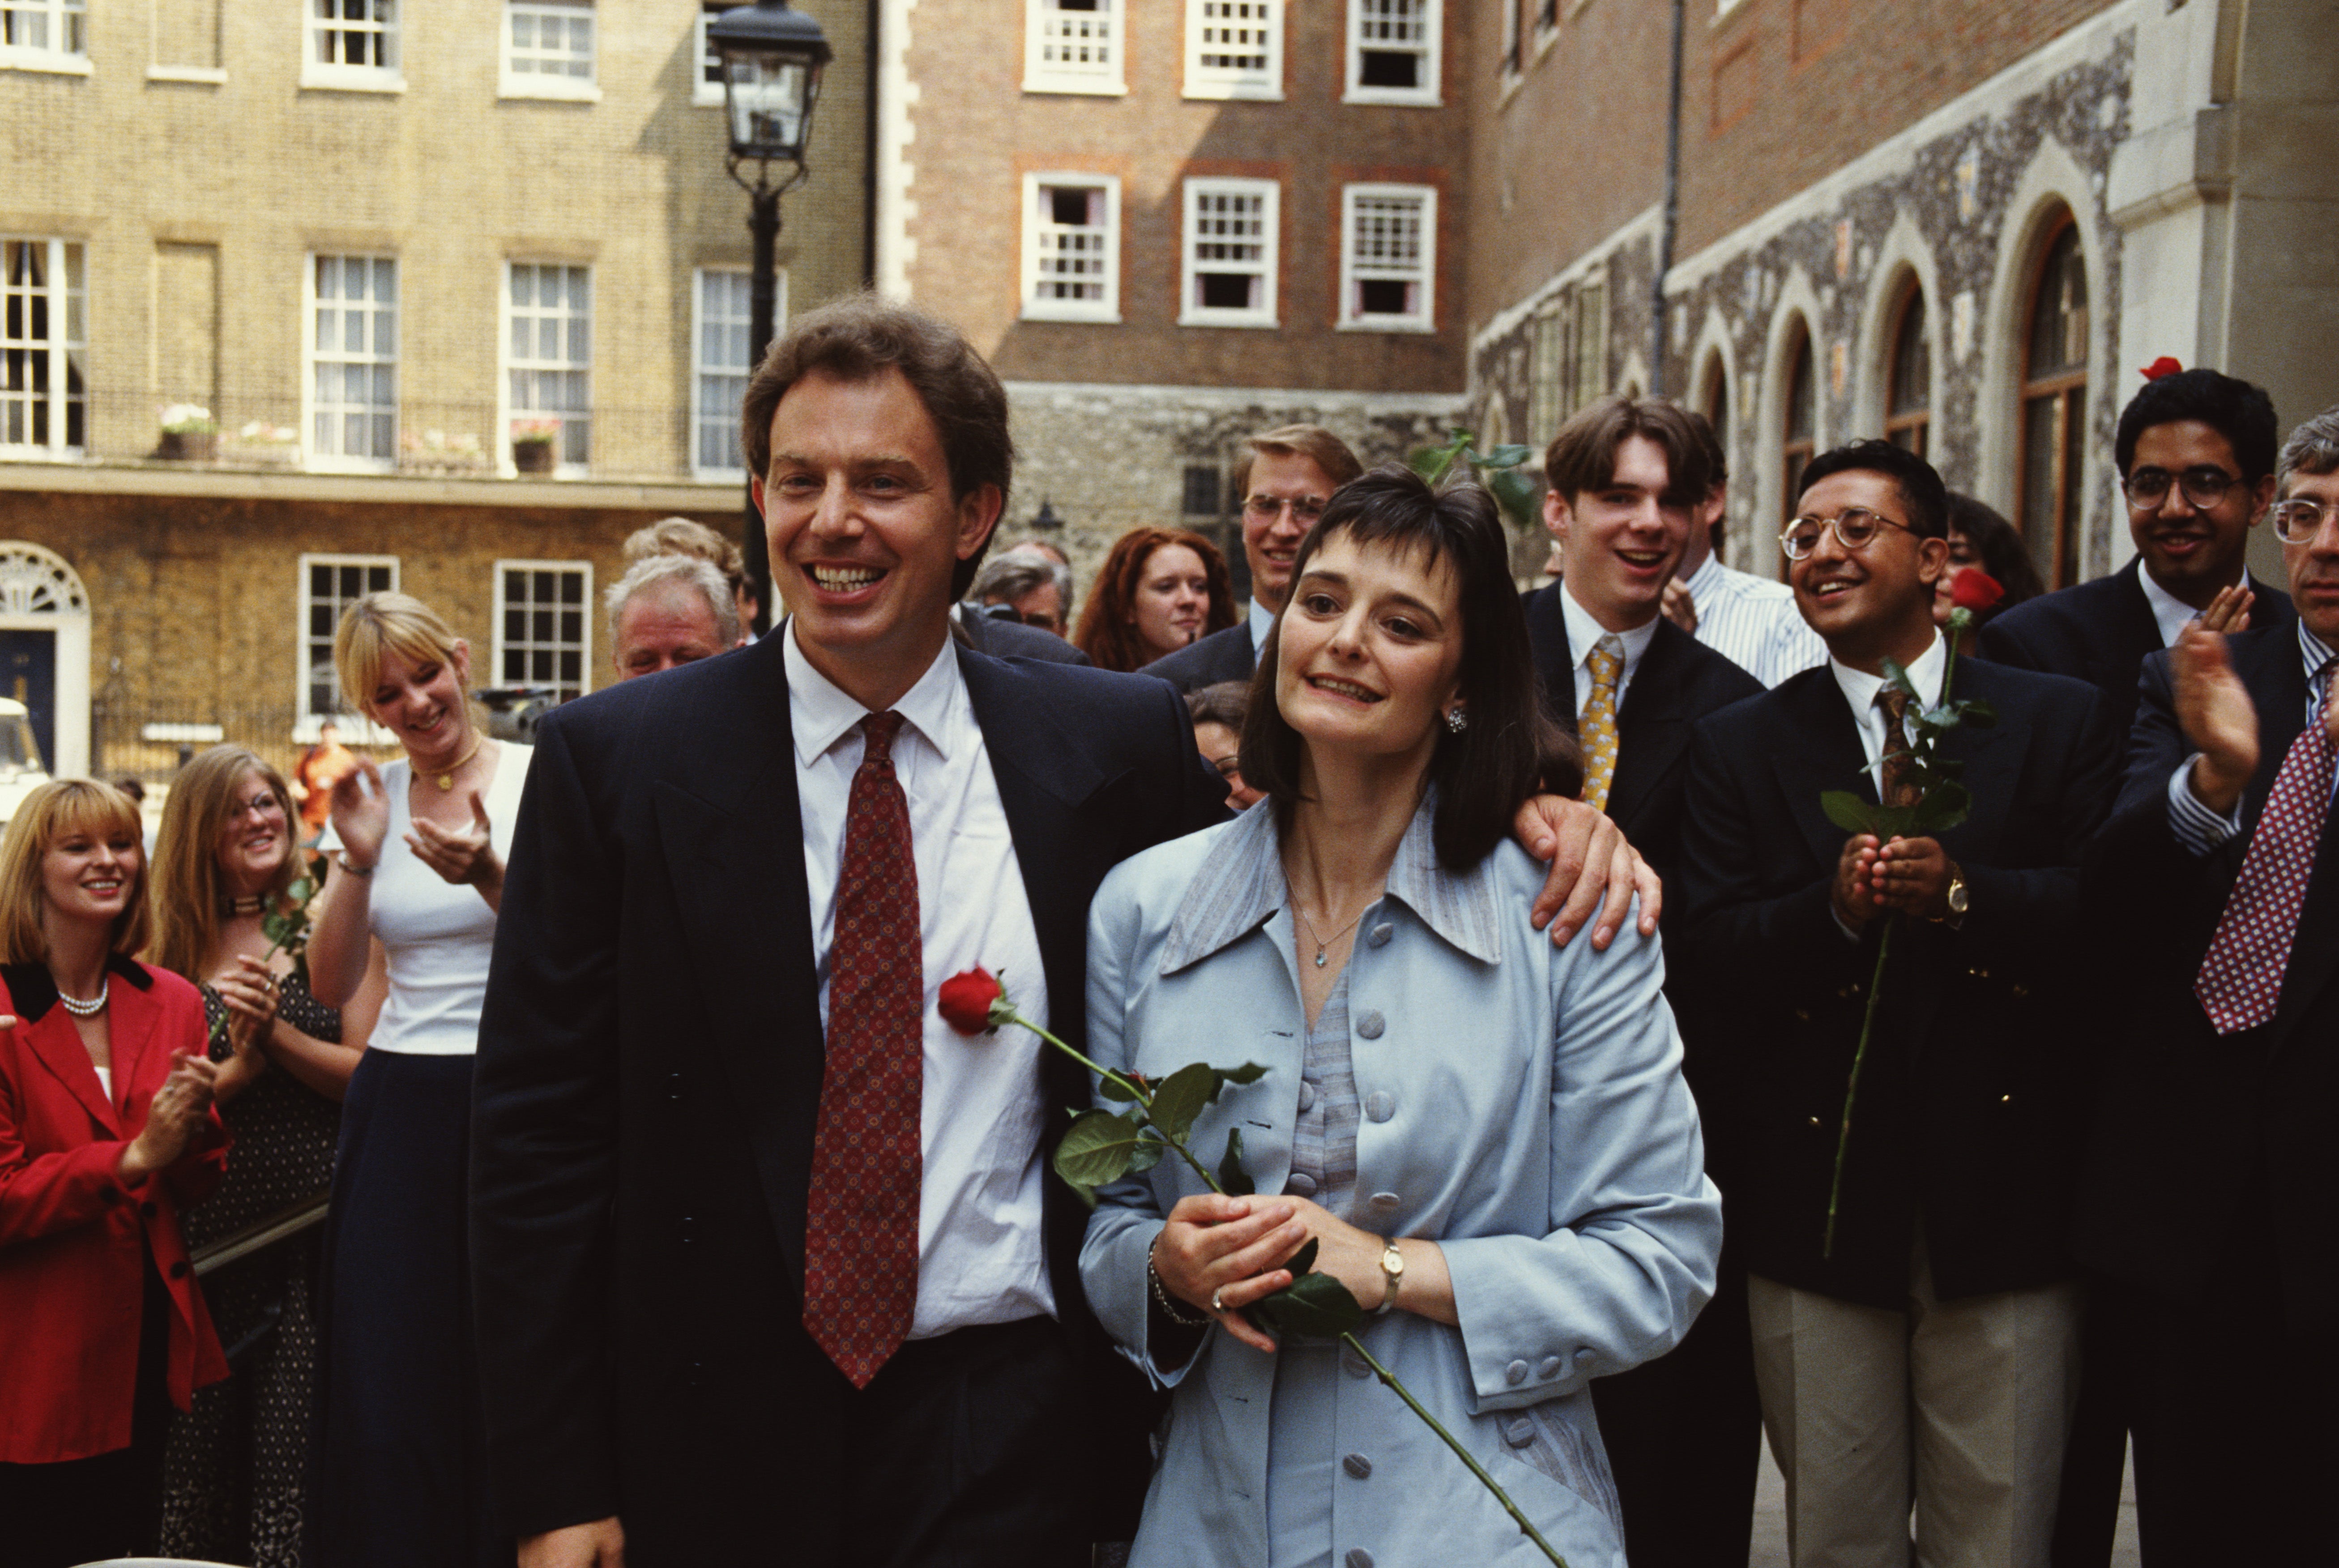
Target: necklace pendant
[(1319, 958), (446, 783)]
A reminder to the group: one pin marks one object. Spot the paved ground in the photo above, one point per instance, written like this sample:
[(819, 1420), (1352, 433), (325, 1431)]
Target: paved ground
[(1771, 1522)]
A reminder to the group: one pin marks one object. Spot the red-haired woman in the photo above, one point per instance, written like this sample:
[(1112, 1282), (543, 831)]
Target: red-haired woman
[(1159, 589), (106, 1132)]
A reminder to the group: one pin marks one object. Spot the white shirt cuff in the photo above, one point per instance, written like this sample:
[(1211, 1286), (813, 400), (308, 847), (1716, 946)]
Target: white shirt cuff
[(2196, 827)]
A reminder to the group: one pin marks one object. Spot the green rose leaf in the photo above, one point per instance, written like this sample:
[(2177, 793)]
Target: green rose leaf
[(1113, 1089), (1895, 821), (1945, 717), (1849, 811), (1098, 1148), (1946, 805), (1509, 455), (1895, 676), (1978, 713), (1315, 1305), (1231, 1174), (1182, 1097), (1517, 495), (1145, 1156), (1249, 1072)]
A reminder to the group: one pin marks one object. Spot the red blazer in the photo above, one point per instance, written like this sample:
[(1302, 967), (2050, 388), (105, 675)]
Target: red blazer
[(71, 1282)]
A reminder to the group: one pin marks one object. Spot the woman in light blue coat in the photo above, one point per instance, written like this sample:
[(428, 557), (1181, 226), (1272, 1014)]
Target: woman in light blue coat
[(1489, 1138)]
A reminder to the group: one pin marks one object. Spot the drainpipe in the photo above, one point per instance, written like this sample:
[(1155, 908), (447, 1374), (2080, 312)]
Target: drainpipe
[(1657, 311), (869, 154)]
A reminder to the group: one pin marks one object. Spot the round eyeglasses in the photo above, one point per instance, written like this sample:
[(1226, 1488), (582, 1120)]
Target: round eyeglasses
[(1855, 529), (2298, 521), (2204, 487), (1305, 509)]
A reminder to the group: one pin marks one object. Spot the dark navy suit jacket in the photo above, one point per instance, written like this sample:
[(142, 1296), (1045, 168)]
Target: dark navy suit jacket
[(1226, 655)]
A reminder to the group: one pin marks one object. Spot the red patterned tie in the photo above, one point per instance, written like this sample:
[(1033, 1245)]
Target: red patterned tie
[(2240, 983), (861, 1220)]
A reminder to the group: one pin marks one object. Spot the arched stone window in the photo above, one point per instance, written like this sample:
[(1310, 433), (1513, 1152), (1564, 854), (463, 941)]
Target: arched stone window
[(2052, 454), (1799, 428), (1909, 377)]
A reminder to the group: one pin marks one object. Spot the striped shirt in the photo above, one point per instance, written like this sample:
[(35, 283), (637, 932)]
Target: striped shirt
[(2201, 830), (1752, 623)]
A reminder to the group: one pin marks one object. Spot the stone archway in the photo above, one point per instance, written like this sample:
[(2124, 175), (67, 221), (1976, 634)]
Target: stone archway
[(45, 641)]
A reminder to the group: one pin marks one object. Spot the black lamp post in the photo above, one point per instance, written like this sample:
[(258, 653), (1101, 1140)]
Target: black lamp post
[(772, 60)]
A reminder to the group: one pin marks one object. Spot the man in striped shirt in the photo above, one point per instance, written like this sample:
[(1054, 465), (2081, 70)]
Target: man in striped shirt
[(1749, 620)]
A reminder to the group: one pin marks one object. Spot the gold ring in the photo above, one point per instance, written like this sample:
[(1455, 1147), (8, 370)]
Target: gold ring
[(1215, 1304)]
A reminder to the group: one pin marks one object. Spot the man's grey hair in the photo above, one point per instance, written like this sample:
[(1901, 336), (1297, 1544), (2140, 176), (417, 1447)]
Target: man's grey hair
[(1014, 573), (687, 571), (2312, 448)]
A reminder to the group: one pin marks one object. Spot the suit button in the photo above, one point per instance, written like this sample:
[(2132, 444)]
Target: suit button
[(1301, 1183), (1802, 1015), (1358, 1465), (1358, 1557), (178, 1270), (1380, 1105), (696, 1376), (1516, 1372), (1378, 936), (1518, 1432), (1307, 1095), (1549, 1366), (1384, 1200), (1815, 1121), (2006, 1099), (2021, 990), (674, 1086), (688, 1228), (1369, 1024)]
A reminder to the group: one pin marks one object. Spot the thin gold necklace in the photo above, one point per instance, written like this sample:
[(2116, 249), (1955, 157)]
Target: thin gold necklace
[(446, 781), (1324, 943)]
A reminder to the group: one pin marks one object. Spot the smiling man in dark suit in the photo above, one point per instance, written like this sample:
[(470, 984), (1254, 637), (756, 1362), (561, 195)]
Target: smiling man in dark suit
[(2195, 450), (2209, 1186), (768, 1262), (1935, 1340), (1628, 480)]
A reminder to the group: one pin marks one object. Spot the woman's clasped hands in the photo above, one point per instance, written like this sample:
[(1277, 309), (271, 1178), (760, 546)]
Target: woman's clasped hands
[(1222, 1254)]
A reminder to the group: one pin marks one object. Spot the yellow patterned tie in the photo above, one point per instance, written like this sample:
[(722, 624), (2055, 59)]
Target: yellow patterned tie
[(1596, 729)]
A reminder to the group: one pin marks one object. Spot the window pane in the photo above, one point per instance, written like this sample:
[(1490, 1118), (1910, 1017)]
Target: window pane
[(2058, 318)]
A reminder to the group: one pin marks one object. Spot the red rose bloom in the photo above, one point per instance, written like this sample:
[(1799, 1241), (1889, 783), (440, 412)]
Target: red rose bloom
[(966, 1000), (2166, 365), (1974, 589)]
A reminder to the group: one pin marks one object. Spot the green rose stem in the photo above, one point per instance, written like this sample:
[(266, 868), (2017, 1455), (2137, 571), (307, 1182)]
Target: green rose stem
[(290, 928), (1959, 620), (1002, 1011)]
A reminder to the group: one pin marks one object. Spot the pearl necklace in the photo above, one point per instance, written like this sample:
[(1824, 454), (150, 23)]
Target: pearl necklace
[(94, 1005)]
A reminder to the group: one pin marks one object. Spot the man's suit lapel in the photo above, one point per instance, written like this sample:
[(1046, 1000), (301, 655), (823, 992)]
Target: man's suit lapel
[(1652, 727), (1554, 661), (2136, 629), (735, 852), (1819, 751)]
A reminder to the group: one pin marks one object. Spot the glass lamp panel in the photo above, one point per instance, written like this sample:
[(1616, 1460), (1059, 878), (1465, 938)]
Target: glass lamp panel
[(768, 97)]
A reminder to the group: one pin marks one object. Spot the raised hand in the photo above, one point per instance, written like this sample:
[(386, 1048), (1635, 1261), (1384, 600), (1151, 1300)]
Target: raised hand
[(1679, 608), (361, 813), (2215, 711), (462, 857), (173, 1117), (2229, 612)]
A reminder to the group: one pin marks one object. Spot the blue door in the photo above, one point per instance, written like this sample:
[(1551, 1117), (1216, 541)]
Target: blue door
[(28, 673)]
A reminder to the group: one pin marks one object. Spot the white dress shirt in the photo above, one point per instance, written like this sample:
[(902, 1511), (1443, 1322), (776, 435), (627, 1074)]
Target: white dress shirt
[(1583, 633), (1752, 622), (2169, 613), (1860, 689), (1261, 621), (979, 1253)]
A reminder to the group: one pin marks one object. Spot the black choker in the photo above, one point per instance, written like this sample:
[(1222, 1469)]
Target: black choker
[(231, 907)]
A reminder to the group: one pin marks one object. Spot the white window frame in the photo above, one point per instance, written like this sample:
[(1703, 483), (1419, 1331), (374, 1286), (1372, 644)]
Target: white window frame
[(705, 92), (381, 16), (313, 454), (67, 345), (1042, 74), (55, 53), (1207, 18), (507, 410), (586, 614), (1108, 308), (1192, 312), (700, 371), (1364, 15), (514, 82), (357, 724), (1351, 319)]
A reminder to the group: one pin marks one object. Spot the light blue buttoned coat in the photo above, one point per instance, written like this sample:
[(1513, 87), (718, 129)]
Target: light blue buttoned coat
[(1523, 1107)]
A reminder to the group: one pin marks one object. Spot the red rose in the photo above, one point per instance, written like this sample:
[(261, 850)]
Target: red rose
[(1974, 589), (2166, 365), (967, 999)]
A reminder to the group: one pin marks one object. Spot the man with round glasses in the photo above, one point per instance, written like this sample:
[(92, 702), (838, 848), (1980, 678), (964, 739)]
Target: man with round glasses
[(1284, 479), (2196, 455), (1927, 1357)]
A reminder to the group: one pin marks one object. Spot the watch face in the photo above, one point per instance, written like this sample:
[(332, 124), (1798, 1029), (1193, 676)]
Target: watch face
[(1957, 898)]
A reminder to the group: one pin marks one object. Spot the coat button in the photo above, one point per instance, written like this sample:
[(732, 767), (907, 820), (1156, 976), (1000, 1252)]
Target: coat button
[(1550, 1366), (689, 1228), (1380, 1105), (674, 1086), (1378, 936), (1518, 1432), (1516, 1372), (1358, 1465), (178, 1270), (1358, 1557), (1583, 1353), (1300, 1184), (697, 1375), (1307, 1095), (1369, 1024), (1815, 1121), (1384, 1200), (1353, 1364), (1802, 1015)]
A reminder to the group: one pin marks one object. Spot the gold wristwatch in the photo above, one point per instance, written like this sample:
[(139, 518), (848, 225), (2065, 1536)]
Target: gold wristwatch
[(1393, 1271), (1956, 897)]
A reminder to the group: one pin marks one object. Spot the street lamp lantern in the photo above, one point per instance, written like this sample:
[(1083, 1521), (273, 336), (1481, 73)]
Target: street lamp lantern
[(772, 60)]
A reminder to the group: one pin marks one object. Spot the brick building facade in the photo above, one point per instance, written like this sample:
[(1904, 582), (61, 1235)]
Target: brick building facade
[(285, 294), (1960, 224)]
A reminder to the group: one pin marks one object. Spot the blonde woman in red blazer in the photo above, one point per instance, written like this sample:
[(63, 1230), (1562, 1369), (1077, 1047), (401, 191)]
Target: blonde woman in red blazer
[(106, 1133)]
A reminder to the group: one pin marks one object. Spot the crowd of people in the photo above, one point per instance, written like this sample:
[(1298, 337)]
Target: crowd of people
[(586, 1174)]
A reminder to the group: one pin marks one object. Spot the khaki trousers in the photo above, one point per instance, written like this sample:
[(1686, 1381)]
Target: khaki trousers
[(1957, 1409)]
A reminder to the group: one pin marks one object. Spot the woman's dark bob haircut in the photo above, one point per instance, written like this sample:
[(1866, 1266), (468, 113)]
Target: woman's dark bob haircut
[(1483, 773)]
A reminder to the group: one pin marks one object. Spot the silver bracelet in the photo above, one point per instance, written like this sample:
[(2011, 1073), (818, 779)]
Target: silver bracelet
[(1169, 1304)]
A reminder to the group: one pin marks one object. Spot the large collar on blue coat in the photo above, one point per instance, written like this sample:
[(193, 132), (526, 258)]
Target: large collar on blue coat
[(1241, 883)]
